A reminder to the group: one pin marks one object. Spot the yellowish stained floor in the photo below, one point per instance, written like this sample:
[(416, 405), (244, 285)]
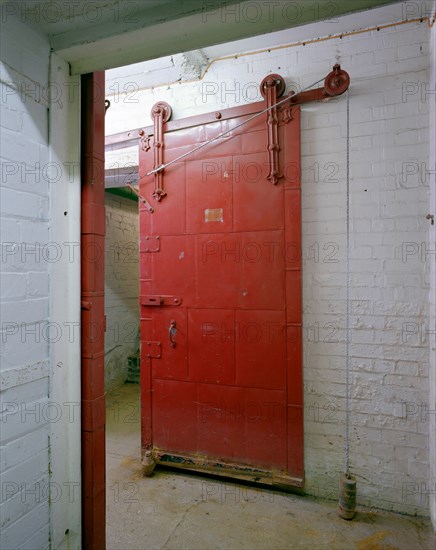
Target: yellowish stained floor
[(189, 512)]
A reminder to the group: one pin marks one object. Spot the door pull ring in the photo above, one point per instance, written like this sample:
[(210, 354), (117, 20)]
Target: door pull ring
[(172, 331)]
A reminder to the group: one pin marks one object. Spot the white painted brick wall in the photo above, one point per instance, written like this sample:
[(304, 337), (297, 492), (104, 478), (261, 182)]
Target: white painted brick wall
[(389, 291), (121, 287), (24, 370)]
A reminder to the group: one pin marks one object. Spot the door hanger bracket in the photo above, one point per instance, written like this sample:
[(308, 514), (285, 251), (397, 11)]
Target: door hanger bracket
[(271, 88), (160, 113)]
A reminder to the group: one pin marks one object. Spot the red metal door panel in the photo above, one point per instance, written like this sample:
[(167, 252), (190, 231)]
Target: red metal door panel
[(254, 142), (291, 162), (222, 147), (172, 268), (263, 274), (221, 423), (209, 196), (265, 427), (185, 137), (211, 346), (242, 425), (175, 405), (171, 221), (260, 342), (173, 362), (256, 206), (295, 437), (218, 270), (294, 358), (293, 229), (293, 296), (221, 258)]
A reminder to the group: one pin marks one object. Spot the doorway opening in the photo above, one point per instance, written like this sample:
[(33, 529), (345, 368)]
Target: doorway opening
[(315, 251), (122, 337)]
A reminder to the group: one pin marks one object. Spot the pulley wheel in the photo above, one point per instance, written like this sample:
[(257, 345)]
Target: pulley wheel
[(280, 84), (336, 82), (166, 110)]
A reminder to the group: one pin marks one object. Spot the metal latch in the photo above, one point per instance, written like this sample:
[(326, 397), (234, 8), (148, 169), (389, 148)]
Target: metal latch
[(154, 300)]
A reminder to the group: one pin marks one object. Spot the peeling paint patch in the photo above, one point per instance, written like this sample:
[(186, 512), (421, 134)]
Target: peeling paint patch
[(22, 375)]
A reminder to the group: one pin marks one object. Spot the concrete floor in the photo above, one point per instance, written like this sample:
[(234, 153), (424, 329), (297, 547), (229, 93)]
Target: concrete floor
[(178, 511)]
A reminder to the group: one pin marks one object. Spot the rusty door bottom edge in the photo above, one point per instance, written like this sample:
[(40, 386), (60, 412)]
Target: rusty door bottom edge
[(224, 469)]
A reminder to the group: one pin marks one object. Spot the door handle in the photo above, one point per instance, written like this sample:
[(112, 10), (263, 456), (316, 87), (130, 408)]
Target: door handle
[(172, 331)]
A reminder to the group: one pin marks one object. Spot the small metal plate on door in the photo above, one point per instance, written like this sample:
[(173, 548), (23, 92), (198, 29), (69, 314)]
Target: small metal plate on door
[(153, 350), (150, 243), (213, 215)]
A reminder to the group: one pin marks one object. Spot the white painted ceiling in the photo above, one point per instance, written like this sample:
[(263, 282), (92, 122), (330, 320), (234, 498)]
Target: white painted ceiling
[(102, 34), (191, 65)]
